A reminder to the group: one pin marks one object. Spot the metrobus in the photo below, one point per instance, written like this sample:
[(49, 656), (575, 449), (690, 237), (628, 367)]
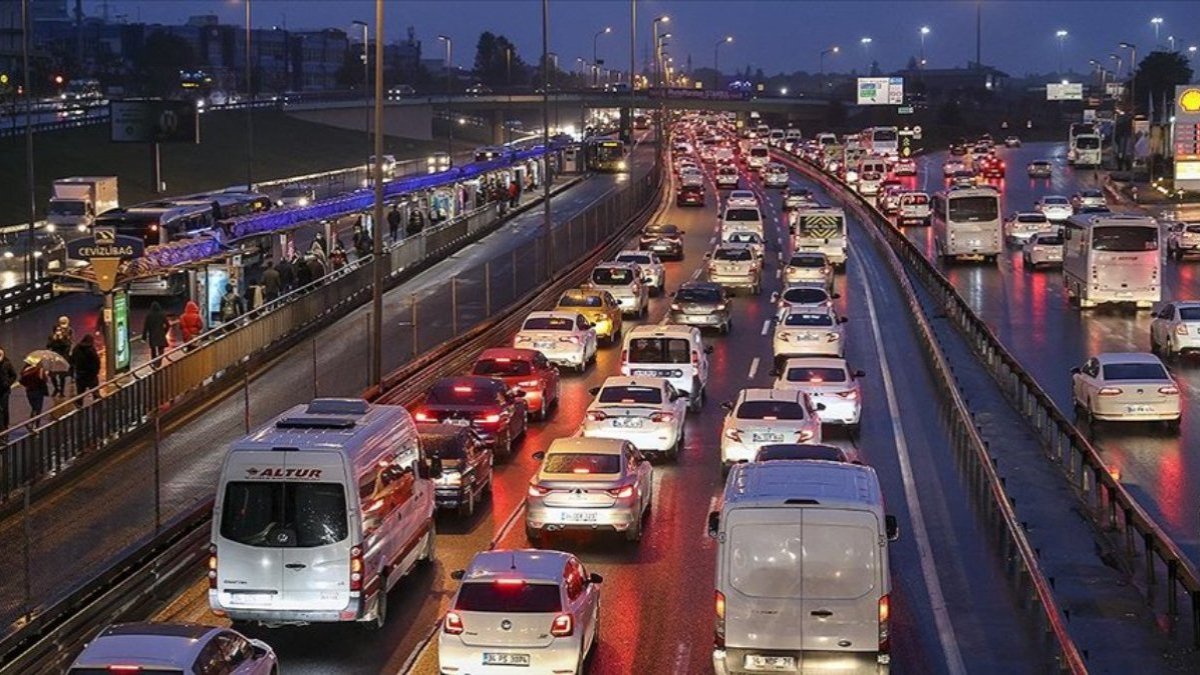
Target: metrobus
[(1112, 258), (160, 222), (881, 140), (822, 230), (606, 155), (966, 223)]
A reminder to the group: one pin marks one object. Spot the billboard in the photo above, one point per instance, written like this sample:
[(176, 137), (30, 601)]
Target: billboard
[(1186, 138), (1064, 91), (154, 121), (880, 90)]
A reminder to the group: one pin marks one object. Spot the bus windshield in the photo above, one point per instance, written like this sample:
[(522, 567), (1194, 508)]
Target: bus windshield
[(974, 209), (884, 135), (1087, 143), (608, 150), (1125, 238)]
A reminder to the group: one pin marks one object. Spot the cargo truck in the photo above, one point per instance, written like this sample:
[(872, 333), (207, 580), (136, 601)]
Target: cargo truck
[(76, 201)]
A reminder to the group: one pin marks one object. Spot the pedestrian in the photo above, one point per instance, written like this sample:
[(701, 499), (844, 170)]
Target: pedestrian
[(36, 383), (232, 305), (191, 323), (338, 259), (8, 377), (514, 193), (62, 338), (303, 273), (155, 329), (363, 244), (85, 361), (394, 218), (320, 244), (272, 282), (414, 222), (287, 275), (316, 268)]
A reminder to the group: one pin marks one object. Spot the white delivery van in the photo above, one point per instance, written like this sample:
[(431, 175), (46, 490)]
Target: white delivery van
[(802, 568), (319, 513), (742, 219), (669, 351)]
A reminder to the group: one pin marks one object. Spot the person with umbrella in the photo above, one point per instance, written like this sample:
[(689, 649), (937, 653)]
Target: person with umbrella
[(35, 380), (62, 338)]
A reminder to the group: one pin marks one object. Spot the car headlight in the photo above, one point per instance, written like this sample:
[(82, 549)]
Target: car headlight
[(450, 478), (622, 165)]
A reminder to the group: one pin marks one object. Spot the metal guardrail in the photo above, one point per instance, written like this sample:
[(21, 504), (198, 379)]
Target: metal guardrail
[(1109, 504), (1021, 561), (17, 299)]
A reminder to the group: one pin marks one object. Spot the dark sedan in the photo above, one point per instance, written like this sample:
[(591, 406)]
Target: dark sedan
[(701, 304), (483, 404), (466, 466), (665, 240)]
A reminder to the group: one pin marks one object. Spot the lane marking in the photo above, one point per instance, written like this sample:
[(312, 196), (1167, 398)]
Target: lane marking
[(753, 368), (696, 274), (766, 326), (937, 600), (681, 658)]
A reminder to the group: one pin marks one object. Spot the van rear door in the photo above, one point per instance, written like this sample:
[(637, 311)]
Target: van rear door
[(316, 569), (762, 574), (841, 586)]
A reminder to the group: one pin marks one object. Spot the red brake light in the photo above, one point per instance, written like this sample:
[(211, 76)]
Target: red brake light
[(1181, 329), (1170, 390), (356, 568), (424, 417), (851, 394), (452, 624), (885, 612), (596, 416), (502, 360), (695, 358), (719, 638), (804, 436), (212, 567), (538, 491), (510, 582), (563, 625), (490, 419), (462, 390), (662, 417), (621, 492), (528, 383), (1109, 391), (124, 669)]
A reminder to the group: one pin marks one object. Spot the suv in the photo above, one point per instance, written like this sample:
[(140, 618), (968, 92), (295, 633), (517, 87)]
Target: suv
[(626, 283), (1183, 239), (184, 648), (672, 352), (466, 466)]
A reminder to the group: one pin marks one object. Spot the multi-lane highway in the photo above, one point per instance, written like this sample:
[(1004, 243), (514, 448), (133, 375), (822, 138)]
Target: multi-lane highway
[(1030, 313), (952, 609)]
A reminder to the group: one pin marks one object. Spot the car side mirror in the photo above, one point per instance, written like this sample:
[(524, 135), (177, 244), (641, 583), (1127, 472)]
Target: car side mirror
[(1075, 371), (539, 455), (714, 524), (708, 349), (458, 575), (430, 468), (892, 527), (859, 373), (594, 390), (594, 578)]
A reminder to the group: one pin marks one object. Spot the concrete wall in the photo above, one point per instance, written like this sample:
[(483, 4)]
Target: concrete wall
[(410, 121)]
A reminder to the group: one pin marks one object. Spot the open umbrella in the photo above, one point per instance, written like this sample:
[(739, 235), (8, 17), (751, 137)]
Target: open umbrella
[(50, 360)]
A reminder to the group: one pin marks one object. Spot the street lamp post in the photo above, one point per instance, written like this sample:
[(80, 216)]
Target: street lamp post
[(654, 26), (832, 50), (377, 217), (547, 223), (1132, 76), (1117, 72), (27, 92), (1171, 39), (449, 92), (366, 87), (1191, 52), (866, 44), (1062, 36), (508, 65), (660, 77), (717, 60), (249, 113), (595, 60), (1157, 23), (924, 31)]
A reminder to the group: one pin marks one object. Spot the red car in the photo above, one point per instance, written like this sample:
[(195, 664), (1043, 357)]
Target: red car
[(690, 195), (485, 404), (991, 167), (524, 369)]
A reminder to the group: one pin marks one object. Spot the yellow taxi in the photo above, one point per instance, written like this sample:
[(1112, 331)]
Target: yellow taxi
[(598, 307)]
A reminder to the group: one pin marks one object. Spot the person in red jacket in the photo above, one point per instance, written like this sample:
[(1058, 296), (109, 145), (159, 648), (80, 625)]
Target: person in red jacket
[(191, 323)]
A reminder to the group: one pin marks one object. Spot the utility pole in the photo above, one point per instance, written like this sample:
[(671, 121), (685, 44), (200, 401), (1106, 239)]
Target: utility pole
[(27, 88), (377, 220), (547, 221), (249, 111)]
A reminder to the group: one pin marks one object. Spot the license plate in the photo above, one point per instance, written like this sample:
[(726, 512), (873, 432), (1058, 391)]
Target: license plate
[(770, 663), (457, 422), (628, 422), (543, 345), (766, 437), (250, 598), (501, 659), (647, 372), (1137, 408), (578, 517)]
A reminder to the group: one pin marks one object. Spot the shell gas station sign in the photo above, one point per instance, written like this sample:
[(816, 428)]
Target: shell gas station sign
[(1185, 137)]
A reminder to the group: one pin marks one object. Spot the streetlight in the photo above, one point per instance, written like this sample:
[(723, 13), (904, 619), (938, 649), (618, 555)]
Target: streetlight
[(366, 89), (717, 59), (1132, 81), (249, 118), (662, 43), (1117, 72), (1062, 36), (1156, 22), (1171, 39), (654, 26), (924, 31), (832, 50), (595, 60), (866, 43), (449, 91), (1191, 52)]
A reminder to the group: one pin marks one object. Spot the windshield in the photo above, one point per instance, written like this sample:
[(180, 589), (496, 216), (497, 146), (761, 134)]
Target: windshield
[(770, 410), (548, 323), (284, 514), (631, 395), (827, 453), (581, 462), (699, 295), (502, 367), (816, 374), (742, 215), (634, 258), (759, 152), (805, 295), (612, 276), (659, 350), (460, 394), (66, 208), (733, 254), (1049, 240), (580, 301), (443, 446), (884, 135), (1189, 313), (1127, 238), (1135, 371), (808, 320), (662, 231), (491, 596), (914, 200), (974, 209), (806, 261)]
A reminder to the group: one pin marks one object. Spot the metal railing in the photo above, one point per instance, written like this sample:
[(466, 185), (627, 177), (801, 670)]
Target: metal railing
[(16, 299), (1109, 504)]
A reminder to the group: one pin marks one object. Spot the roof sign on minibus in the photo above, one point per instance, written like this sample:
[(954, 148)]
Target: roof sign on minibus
[(280, 472)]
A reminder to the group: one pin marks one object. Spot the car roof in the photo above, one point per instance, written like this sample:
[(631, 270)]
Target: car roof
[(474, 381), (765, 394), (150, 644), (511, 353), (816, 362), (582, 292), (634, 251), (529, 564), (808, 254), (664, 330), (1111, 358), (587, 444), (628, 381), (700, 285), (552, 315), (804, 482)]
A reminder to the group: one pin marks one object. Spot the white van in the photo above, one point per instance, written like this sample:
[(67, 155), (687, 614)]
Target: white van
[(742, 219), (669, 351), (802, 567), (319, 513)]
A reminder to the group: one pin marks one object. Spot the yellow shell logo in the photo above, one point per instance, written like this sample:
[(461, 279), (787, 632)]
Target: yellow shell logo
[(1189, 100)]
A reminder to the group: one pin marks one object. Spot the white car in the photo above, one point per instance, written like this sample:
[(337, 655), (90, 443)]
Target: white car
[(775, 176), (905, 166), (588, 484), (625, 282), (1020, 227), (750, 240), (564, 338), (646, 411), (691, 176), (727, 178), (809, 267), (735, 266), (654, 273), (183, 648), (1126, 387), (1054, 207), (766, 417), (808, 331), (741, 198), (1043, 248), (829, 382), (535, 611), (803, 295), (1176, 328), (953, 166), (296, 195)]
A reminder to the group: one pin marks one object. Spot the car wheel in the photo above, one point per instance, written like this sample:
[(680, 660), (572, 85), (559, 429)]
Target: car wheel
[(430, 545), (466, 509), (724, 328), (379, 611), (1173, 425), (634, 533), (534, 536), (676, 450), (1154, 348)]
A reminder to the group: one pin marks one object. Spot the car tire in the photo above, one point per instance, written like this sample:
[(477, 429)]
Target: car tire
[(466, 508), (1173, 425), (379, 619), (634, 533), (535, 538), (724, 328), (676, 451), (430, 545)]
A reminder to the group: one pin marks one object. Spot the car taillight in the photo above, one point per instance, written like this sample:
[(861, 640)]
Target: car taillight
[(696, 358), (596, 416), (1169, 390), (569, 338), (734, 435), (1109, 391), (804, 435), (490, 419), (124, 669), (356, 568), (529, 383), (621, 492), (424, 417), (719, 638), (1181, 329), (675, 307), (885, 612), (831, 337), (212, 567), (563, 625), (452, 624), (538, 491), (662, 417), (850, 394)]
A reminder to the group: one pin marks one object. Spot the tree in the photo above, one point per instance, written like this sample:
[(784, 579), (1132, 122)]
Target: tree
[(162, 56), (497, 63), (1157, 75)]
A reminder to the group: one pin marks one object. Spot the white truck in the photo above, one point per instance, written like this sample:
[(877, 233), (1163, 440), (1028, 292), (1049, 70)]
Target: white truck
[(76, 201)]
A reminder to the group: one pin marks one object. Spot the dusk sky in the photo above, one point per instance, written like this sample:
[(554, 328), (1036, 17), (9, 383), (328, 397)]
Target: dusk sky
[(775, 35)]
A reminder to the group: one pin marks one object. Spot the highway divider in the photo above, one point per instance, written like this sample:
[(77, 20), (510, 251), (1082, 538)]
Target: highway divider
[(1020, 557)]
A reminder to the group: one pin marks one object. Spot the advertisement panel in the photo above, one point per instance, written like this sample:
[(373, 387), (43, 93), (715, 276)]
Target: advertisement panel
[(154, 121), (1064, 91), (880, 90), (121, 325), (1186, 138)]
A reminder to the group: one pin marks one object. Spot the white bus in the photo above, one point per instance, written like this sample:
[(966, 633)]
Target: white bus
[(966, 223), (1112, 258), (822, 230), (881, 140), (1085, 150)]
